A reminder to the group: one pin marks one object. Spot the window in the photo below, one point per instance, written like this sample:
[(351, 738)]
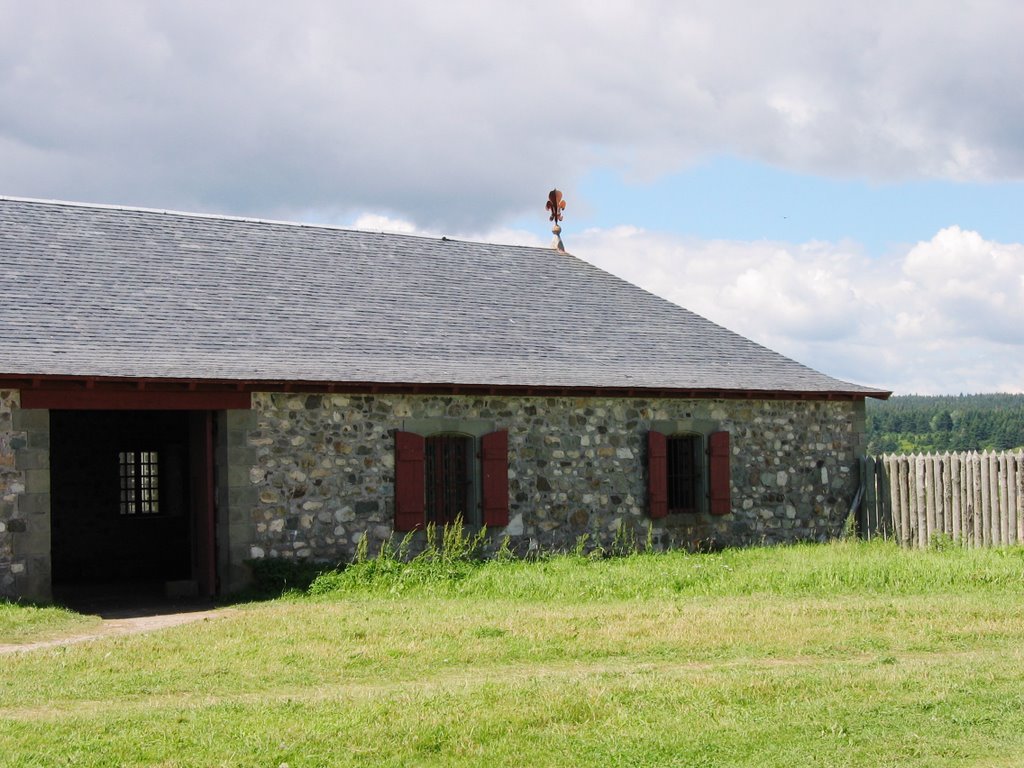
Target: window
[(684, 477), (448, 479), (684, 470), (139, 473), (439, 478)]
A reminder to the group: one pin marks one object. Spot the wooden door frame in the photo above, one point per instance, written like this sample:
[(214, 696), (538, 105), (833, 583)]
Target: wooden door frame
[(202, 479)]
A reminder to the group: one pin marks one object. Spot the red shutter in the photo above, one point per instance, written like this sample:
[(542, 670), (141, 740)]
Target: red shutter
[(494, 461), (721, 481), (409, 481), (657, 474)]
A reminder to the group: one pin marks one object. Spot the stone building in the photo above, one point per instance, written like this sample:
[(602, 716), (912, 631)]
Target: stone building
[(181, 393)]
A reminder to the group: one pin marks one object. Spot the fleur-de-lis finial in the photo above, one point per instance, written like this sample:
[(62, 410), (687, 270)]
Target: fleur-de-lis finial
[(555, 206)]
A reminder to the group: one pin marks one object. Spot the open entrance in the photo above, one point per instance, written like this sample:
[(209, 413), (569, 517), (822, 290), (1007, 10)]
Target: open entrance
[(131, 505)]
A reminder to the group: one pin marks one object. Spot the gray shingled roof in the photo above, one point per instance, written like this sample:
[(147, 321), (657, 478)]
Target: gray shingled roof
[(104, 291)]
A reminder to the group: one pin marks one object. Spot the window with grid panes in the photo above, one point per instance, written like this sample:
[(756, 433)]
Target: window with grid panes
[(139, 473), (684, 473), (448, 480)]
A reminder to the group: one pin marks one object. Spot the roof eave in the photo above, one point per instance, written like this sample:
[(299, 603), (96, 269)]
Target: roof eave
[(52, 388)]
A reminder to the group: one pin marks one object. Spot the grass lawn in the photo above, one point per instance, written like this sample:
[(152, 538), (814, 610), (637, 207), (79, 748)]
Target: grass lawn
[(837, 655), (25, 623)]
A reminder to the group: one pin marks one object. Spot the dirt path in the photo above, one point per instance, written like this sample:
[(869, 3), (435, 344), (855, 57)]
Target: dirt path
[(121, 626)]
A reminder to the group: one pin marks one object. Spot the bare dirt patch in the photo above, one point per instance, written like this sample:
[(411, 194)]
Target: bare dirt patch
[(112, 627)]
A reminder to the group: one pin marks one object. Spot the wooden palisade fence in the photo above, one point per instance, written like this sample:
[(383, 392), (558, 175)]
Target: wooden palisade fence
[(976, 499)]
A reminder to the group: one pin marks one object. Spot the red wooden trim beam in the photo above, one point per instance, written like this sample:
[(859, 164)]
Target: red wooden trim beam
[(209, 386), (133, 400)]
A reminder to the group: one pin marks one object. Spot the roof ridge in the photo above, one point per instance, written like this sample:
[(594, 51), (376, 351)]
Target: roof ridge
[(258, 220)]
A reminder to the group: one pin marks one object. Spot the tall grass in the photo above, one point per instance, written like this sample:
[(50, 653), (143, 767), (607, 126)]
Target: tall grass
[(453, 566), (449, 554)]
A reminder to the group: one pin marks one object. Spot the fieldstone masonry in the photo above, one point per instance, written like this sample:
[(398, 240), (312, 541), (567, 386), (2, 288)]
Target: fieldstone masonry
[(12, 484), (323, 468), (307, 476), (236, 494), (24, 500)]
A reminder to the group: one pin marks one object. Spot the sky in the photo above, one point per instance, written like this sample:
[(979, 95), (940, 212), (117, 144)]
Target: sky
[(842, 182)]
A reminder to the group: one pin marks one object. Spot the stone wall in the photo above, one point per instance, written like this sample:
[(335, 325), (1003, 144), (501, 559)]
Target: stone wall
[(12, 484), (24, 500), (322, 468), (306, 476), (236, 494)]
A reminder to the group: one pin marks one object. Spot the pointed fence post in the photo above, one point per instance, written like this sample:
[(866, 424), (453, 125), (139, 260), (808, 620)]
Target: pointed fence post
[(1008, 515), (893, 464), (929, 495), (986, 499), (870, 519), (906, 483), (954, 496), (997, 518), (980, 537), (1019, 465), (893, 495), (921, 500), (946, 464), (885, 500), (1019, 472), (965, 506)]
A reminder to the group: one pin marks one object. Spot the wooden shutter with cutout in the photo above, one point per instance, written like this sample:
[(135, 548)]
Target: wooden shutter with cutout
[(494, 466), (721, 480), (657, 474), (409, 481)]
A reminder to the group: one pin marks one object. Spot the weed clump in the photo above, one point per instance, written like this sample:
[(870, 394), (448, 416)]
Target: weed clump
[(449, 554)]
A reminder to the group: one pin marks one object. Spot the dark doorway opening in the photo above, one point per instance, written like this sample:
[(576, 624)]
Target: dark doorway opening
[(131, 506)]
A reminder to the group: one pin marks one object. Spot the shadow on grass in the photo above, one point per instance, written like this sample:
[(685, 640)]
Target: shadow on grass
[(271, 579)]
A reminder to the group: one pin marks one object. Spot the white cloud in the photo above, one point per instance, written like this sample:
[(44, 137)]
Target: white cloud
[(945, 316), (455, 114), (973, 287), (374, 222)]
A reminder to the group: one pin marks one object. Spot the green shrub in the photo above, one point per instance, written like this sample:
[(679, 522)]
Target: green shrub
[(941, 541)]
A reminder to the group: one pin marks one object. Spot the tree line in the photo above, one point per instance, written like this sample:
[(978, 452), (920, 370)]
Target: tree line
[(923, 423)]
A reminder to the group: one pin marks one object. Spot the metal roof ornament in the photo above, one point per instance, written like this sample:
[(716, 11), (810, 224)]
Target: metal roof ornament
[(555, 206)]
